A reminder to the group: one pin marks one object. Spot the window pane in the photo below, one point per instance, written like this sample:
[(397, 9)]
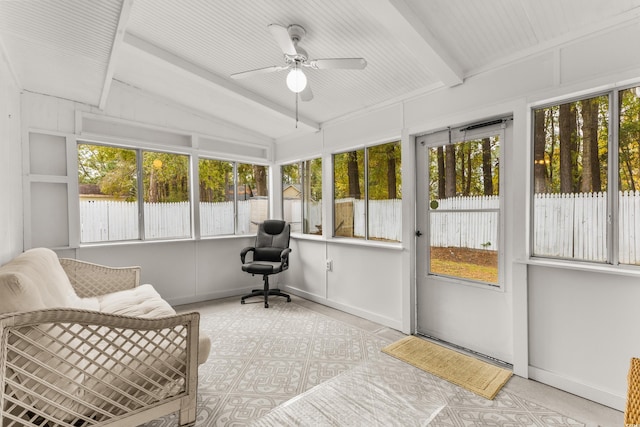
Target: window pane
[(629, 177), (108, 187), (167, 210), (570, 146), (216, 197), (253, 197), (348, 207), (292, 196), (312, 193), (464, 209), (384, 192)]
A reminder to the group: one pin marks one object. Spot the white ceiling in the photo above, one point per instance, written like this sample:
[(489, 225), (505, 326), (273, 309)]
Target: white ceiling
[(185, 50)]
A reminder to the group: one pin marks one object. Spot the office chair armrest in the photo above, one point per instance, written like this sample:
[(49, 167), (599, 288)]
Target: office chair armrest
[(285, 253), (284, 257), (245, 251)]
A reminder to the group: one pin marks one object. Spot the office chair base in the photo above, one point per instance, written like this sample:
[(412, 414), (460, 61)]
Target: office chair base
[(260, 292), (265, 292)]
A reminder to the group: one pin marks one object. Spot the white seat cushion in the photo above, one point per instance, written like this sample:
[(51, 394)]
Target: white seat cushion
[(142, 301)]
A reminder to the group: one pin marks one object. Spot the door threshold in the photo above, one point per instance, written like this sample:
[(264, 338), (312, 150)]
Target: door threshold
[(468, 352)]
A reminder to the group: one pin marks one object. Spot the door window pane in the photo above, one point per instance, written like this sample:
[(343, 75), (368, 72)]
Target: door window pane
[(464, 209)]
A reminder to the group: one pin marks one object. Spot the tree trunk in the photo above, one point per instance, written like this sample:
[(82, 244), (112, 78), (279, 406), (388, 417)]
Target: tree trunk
[(590, 160), (487, 171), (260, 177), (568, 133), (441, 192), (467, 187), (391, 172), (450, 171), (352, 171), (539, 139)]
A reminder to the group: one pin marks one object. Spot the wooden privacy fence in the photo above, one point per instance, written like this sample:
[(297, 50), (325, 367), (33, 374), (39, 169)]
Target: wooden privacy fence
[(385, 218)]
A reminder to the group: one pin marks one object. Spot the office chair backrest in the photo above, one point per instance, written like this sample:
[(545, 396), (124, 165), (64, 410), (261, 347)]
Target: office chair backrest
[(272, 238)]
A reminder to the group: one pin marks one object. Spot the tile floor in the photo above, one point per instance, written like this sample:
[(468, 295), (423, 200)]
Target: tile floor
[(304, 364)]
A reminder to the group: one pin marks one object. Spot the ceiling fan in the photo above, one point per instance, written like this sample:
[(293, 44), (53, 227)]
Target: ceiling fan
[(296, 58)]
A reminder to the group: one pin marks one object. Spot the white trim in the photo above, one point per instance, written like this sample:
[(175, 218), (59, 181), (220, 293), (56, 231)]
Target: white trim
[(605, 397), (385, 321)]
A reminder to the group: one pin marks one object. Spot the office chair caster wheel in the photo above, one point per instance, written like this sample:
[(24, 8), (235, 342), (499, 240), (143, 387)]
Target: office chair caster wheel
[(266, 305), (288, 299), (242, 301)]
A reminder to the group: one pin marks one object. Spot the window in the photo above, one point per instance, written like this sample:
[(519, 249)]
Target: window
[(233, 197), (585, 179), (124, 191), (464, 207), (368, 193), (302, 196)]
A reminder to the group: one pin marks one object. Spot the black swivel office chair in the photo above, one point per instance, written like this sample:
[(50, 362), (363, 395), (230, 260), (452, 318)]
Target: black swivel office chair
[(270, 256)]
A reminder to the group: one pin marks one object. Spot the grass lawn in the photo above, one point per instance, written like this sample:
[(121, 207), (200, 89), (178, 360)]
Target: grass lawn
[(474, 264)]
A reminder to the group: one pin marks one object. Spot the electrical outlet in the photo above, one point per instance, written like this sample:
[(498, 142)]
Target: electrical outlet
[(329, 265)]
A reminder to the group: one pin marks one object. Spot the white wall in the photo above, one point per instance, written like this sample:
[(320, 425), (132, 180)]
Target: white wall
[(182, 271), (10, 166), (571, 328)]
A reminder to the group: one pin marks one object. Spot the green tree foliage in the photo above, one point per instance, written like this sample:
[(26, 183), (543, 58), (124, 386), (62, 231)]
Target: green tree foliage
[(629, 140), (383, 170), (216, 180), (165, 177), (112, 169), (571, 146), (468, 168)]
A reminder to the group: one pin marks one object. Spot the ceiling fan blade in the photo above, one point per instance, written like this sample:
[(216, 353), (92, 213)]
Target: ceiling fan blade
[(306, 94), (283, 39), (264, 70), (338, 63)]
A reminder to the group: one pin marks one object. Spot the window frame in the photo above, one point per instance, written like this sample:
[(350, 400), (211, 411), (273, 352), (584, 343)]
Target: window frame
[(613, 117), (365, 194), (234, 164), (140, 203), (612, 264), (193, 156), (300, 164)]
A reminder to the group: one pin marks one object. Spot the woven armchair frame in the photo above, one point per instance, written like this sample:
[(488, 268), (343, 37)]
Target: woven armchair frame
[(67, 367), (90, 280)]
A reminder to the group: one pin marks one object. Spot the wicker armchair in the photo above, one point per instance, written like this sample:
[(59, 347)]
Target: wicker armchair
[(78, 367)]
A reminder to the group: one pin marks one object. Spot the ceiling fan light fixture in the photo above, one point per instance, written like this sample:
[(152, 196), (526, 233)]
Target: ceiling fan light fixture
[(296, 80)]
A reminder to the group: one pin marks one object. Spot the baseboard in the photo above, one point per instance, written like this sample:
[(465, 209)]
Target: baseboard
[(209, 296), (570, 385), (385, 321)]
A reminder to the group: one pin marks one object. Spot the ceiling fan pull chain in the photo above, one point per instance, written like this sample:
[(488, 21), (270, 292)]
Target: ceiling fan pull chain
[(296, 95)]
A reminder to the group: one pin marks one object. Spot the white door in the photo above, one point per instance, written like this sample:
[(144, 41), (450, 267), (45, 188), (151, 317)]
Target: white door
[(461, 295)]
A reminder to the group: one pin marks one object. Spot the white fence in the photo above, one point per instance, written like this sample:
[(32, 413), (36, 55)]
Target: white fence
[(565, 225), (108, 220)]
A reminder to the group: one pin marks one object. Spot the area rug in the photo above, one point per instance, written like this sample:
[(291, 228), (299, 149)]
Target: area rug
[(477, 376)]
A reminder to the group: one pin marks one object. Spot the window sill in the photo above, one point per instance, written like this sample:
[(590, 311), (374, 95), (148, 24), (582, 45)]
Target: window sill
[(621, 270), (348, 241)]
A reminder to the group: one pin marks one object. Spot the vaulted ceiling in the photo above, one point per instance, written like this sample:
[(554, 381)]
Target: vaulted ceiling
[(185, 51)]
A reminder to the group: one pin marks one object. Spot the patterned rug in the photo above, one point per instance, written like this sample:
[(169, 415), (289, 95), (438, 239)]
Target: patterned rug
[(289, 365)]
